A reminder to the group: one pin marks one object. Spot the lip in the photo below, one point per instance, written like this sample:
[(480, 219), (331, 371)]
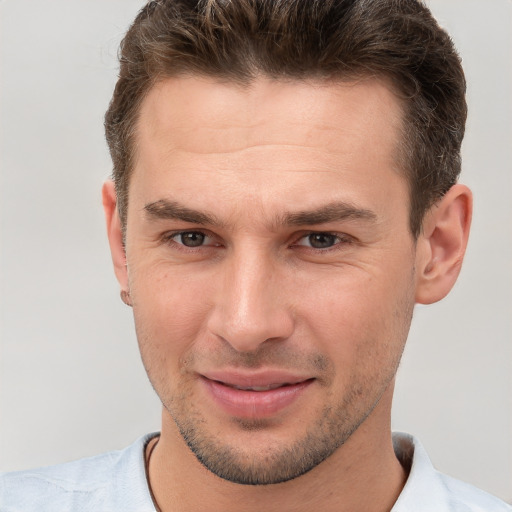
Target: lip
[(272, 391)]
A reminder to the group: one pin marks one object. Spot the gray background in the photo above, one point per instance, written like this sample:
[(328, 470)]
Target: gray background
[(71, 381)]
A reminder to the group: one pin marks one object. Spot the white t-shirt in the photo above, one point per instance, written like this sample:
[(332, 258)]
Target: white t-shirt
[(116, 482)]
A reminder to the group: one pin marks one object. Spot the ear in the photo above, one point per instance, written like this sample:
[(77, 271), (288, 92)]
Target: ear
[(115, 235), (442, 244)]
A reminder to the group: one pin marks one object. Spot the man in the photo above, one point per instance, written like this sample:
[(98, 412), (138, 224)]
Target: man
[(284, 193)]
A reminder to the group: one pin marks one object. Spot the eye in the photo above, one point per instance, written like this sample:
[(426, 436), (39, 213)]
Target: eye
[(190, 238), (320, 240)]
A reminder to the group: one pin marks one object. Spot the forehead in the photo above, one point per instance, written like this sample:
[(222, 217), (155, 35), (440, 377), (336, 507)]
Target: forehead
[(195, 109), (272, 144)]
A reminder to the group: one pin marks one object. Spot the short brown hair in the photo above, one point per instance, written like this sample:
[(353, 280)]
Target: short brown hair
[(300, 39)]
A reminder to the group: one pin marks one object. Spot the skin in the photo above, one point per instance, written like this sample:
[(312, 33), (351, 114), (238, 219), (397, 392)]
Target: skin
[(270, 286)]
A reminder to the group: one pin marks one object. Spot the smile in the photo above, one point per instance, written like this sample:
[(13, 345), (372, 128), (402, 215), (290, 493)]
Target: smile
[(257, 388), (238, 397)]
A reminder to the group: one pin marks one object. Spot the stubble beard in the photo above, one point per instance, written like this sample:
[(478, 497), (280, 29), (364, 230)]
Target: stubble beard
[(272, 464), (275, 463)]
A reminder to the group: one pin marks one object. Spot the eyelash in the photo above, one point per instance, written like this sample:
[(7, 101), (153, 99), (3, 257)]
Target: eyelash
[(167, 238), (341, 240)]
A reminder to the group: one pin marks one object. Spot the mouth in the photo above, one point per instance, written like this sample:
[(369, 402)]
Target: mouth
[(255, 396), (268, 387)]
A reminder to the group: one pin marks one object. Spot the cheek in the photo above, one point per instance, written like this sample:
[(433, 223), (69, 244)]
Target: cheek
[(170, 309), (361, 319)]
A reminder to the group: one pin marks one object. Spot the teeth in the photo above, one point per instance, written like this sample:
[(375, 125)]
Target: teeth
[(258, 388)]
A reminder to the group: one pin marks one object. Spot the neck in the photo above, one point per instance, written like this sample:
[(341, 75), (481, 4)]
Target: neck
[(363, 474)]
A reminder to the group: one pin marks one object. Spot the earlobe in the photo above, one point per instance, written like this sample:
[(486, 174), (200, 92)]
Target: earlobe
[(442, 244), (115, 234)]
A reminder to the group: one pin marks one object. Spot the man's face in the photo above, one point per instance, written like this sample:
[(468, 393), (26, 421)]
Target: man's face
[(270, 265)]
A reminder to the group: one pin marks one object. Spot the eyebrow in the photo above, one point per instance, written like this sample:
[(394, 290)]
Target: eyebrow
[(172, 210), (332, 212)]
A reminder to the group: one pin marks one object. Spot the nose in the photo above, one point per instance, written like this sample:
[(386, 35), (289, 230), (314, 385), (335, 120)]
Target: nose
[(251, 304)]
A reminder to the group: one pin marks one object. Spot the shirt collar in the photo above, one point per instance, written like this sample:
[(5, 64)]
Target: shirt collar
[(424, 490)]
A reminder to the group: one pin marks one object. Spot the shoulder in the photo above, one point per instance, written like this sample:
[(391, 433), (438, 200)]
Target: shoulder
[(427, 489), (466, 497), (103, 482)]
